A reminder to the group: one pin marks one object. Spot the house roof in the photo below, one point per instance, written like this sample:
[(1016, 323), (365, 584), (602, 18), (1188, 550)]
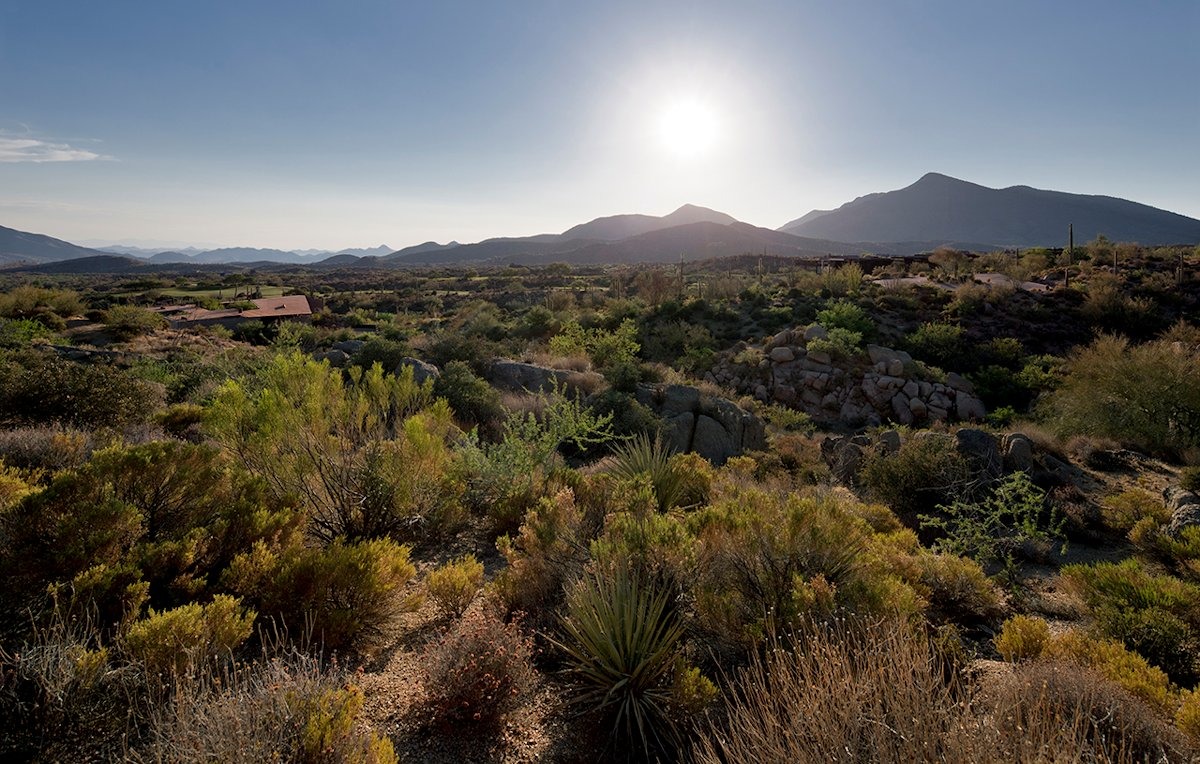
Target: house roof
[(266, 307), (276, 307)]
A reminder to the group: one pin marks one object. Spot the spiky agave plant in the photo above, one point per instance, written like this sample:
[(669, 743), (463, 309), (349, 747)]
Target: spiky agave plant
[(648, 456), (620, 638)]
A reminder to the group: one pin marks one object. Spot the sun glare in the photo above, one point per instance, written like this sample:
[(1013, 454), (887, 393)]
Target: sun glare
[(688, 127)]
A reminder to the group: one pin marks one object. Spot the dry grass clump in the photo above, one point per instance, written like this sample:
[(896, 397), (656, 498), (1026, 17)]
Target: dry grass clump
[(287, 709), (853, 691), (47, 448)]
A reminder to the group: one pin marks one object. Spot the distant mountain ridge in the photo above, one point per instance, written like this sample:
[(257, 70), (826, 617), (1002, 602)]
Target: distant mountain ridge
[(941, 208), (20, 246), (936, 210)]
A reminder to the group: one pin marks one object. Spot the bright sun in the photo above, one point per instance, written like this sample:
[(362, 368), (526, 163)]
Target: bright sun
[(688, 127)]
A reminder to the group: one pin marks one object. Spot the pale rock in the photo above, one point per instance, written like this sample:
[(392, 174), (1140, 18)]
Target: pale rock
[(782, 355), (815, 332)]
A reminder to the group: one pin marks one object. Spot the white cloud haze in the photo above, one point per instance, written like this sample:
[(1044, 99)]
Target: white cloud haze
[(24, 149)]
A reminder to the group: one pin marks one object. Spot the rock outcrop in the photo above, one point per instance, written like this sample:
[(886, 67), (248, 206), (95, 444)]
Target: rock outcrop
[(421, 370), (1184, 506), (715, 428), (884, 385)]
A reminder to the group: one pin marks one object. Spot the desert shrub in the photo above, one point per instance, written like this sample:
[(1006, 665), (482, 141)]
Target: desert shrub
[(654, 546), (1117, 664), (379, 350), (847, 691), (286, 709), (1189, 478), (620, 640), (843, 314), (605, 348), (838, 343), (182, 420), (50, 448), (925, 472), (1022, 638), (786, 418), (190, 635), (294, 334), (478, 672), (549, 549), (128, 321), (505, 478), (46, 306), (473, 400), (1187, 717), (453, 585), (368, 454), (1013, 513), (37, 389), (1155, 615), (16, 333), (155, 523), (1051, 711), (643, 456), (698, 477), (957, 589), (62, 699), (1144, 395), (346, 594), (765, 560), (938, 343), (1122, 511)]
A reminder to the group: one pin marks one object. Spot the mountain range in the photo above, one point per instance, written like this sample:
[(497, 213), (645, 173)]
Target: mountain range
[(936, 210), (940, 207)]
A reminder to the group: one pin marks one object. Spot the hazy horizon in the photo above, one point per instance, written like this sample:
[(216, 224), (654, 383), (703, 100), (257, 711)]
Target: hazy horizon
[(334, 127)]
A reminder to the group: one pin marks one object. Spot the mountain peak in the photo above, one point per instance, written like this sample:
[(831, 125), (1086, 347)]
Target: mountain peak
[(939, 209)]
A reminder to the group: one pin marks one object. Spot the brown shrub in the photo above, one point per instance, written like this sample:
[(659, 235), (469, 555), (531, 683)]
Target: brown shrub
[(479, 671)]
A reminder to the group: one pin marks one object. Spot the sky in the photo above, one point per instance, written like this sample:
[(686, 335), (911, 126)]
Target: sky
[(362, 122)]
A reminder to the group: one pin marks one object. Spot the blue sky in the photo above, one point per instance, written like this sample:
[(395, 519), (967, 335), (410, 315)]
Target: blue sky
[(354, 123)]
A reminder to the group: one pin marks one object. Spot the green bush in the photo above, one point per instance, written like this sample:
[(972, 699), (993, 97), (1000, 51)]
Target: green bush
[(938, 343), (1117, 664), (1122, 511), (453, 585), (839, 343), (473, 400), (1012, 514), (925, 472), (39, 389), (190, 635), (1147, 396), (128, 321), (1154, 615), (19, 333), (843, 314)]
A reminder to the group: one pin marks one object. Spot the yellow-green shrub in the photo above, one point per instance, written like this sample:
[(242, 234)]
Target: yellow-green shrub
[(957, 588), (348, 592), (1022, 638), (1122, 511), (454, 585), (1124, 667), (1187, 718), (172, 640)]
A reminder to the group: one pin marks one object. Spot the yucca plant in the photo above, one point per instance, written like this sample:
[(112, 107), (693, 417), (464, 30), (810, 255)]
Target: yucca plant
[(621, 638), (651, 457)]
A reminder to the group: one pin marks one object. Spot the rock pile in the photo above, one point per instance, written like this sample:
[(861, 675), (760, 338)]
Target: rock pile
[(714, 428), (857, 392)]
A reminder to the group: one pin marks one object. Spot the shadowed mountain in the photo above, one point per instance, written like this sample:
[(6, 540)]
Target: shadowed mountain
[(99, 263), (941, 209), (617, 227), (19, 246)]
